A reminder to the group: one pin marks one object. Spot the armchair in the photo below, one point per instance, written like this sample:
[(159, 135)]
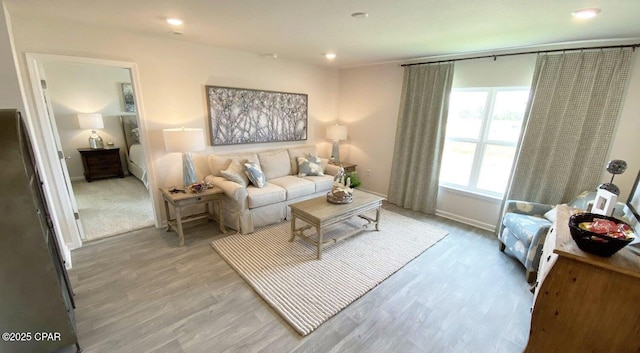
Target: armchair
[(523, 230)]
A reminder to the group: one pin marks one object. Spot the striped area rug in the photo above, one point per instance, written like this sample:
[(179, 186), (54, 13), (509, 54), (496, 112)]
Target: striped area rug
[(307, 292)]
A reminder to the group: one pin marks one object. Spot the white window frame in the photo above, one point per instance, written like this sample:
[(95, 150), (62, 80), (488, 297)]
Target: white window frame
[(482, 141)]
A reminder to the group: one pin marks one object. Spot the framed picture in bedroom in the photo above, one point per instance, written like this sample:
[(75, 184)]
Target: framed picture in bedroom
[(240, 115), (127, 98)]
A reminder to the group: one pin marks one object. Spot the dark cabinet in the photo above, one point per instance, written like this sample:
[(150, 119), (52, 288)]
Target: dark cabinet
[(101, 163), (36, 299)]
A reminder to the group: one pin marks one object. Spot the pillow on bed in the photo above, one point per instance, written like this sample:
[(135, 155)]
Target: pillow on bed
[(235, 173), (255, 174)]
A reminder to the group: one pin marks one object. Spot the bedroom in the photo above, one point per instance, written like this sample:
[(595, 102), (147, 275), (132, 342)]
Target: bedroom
[(108, 205)]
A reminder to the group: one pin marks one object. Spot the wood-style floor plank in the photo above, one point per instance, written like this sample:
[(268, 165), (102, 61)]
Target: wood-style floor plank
[(139, 292)]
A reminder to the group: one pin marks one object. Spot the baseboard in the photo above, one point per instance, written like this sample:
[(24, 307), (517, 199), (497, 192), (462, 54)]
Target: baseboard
[(76, 178), (373, 192), (465, 220)]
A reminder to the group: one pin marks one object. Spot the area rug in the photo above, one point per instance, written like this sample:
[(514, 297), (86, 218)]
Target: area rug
[(306, 292)]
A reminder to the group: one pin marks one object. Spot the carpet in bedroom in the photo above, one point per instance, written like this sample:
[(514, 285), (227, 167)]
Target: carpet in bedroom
[(306, 292), (112, 206)]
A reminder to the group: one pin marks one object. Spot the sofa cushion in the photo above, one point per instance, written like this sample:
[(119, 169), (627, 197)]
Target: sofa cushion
[(296, 152), (295, 187), (235, 173), (255, 174), (275, 164), (310, 165), (218, 163), (270, 193), (323, 183)]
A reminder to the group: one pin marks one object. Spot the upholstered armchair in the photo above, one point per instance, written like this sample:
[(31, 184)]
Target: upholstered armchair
[(523, 230)]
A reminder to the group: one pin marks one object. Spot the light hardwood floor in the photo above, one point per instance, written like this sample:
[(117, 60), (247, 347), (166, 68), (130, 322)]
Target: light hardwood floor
[(139, 292)]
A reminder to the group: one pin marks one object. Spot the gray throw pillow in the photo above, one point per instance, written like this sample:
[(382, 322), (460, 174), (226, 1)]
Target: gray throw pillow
[(235, 173), (255, 174), (310, 166)]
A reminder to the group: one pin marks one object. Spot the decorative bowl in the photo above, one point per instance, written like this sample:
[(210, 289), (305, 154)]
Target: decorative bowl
[(596, 243)]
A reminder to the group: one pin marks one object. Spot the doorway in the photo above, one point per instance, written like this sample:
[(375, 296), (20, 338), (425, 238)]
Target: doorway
[(73, 86)]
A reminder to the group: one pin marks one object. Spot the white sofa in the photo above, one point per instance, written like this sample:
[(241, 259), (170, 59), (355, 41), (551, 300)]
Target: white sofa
[(250, 207)]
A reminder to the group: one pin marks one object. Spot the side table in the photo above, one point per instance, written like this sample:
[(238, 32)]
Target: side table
[(101, 163), (348, 167), (180, 200)]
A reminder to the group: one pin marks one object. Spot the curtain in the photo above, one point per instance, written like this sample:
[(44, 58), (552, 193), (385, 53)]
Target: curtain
[(420, 136), (569, 123)]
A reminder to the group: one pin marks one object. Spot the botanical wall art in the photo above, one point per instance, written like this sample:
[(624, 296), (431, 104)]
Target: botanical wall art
[(239, 115), (127, 97)]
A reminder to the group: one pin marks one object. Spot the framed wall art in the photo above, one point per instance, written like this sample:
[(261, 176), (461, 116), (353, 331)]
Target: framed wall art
[(238, 115), (127, 98)]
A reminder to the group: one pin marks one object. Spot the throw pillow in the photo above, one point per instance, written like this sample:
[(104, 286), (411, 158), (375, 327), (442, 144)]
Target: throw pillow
[(310, 166), (235, 173), (255, 174)]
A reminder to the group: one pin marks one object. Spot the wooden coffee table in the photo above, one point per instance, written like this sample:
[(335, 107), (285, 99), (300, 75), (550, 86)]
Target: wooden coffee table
[(318, 213)]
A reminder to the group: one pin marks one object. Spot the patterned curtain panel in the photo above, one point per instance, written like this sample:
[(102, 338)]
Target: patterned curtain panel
[(420, 136), (573, 108)]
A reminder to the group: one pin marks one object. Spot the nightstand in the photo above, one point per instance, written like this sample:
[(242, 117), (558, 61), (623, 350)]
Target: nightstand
[(101, 163), (179, 200)]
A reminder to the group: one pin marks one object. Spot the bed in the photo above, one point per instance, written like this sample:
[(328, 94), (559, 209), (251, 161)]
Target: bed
[(134, 153)]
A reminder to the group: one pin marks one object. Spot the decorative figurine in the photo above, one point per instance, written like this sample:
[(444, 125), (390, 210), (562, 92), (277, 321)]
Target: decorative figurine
[(341, 191)]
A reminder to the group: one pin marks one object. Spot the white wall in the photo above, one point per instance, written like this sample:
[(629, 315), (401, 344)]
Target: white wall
[(370, 97), (173, 74), (77, 88)]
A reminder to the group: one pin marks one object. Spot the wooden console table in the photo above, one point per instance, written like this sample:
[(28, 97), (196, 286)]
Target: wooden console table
[(181, 200), (583, 302)]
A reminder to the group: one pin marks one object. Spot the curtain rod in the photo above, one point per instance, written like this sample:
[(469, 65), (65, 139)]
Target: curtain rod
[(495, 56)]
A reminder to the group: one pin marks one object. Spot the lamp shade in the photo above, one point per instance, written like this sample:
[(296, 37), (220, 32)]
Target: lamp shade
[(90, 121), (183, 140), (336, 132)]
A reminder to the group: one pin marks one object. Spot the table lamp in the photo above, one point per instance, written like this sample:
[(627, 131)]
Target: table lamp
[(93, 122), (185, 140), (336, 133)]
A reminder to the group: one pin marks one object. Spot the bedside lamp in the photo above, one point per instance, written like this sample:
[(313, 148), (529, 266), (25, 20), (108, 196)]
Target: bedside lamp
[(336, 133), (93, 122), (185, 140)]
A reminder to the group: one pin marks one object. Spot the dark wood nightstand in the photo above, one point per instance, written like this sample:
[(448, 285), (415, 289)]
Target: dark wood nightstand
[(101, 163)]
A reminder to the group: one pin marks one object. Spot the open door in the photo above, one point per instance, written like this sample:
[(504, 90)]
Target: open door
[(41, 93)]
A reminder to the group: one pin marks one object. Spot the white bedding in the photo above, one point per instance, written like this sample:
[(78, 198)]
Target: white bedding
[(137, 164)]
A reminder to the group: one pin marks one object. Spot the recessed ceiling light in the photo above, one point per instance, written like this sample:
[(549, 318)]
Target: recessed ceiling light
[(585, 13), (330, 56), (174, 21), (360, 15)]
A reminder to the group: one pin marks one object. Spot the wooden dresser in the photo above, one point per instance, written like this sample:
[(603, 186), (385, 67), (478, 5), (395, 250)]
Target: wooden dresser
[(583, 302), (101, 163)]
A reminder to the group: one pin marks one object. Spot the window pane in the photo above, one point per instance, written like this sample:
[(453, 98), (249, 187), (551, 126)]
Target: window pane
[(496, 168), (466, 110), (457, 161), (508, 111)]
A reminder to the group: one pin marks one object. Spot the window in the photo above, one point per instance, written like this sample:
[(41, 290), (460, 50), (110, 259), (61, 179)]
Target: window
[(483, 128)]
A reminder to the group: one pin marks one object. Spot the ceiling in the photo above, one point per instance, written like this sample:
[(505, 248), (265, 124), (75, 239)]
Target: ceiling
[(395, 30)]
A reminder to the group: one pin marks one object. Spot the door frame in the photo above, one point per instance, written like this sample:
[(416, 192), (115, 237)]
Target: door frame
[(67, 222)]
